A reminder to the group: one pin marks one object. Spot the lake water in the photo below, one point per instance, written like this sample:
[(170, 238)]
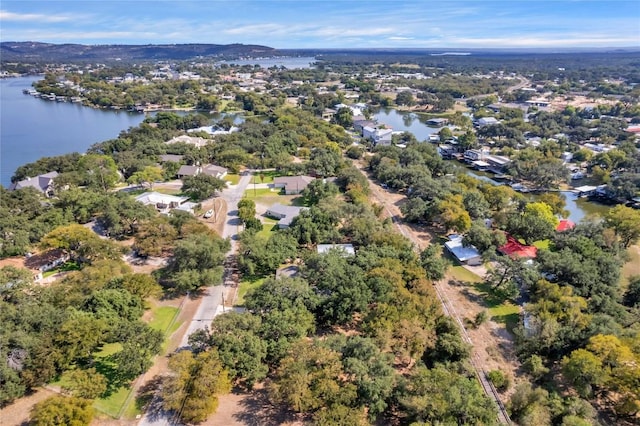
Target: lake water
[(287, 62), (32, 128), (579, 208), (405, 122)]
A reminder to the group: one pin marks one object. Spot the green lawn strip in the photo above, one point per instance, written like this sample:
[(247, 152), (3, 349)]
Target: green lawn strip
[(259, 192), (168, 191), (542, 244), (162, 317), (112, 405), (501, 309), (264, 177), (460, 273), (268, 226), (65, 267), (247, 284), (233, 179)]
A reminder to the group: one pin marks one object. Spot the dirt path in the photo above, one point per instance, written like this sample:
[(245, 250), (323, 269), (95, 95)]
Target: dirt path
[(493, 345), (17, 414)]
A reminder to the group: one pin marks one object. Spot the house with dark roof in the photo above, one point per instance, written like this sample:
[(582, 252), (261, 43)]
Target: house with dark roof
[(213, 170), (292, 184), (42, 183), (186, 170)]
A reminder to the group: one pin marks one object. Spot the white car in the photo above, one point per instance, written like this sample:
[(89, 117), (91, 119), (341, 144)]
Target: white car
[(208, 214)]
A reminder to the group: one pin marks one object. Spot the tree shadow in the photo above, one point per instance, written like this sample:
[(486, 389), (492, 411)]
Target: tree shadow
[(147, 393), (257, 410)]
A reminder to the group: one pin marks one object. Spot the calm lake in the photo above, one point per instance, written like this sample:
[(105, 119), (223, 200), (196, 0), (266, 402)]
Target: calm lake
[(32, 128), (578, 208)]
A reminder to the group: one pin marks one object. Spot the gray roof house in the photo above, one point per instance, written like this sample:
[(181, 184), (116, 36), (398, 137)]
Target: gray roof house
[(292, 184), (215, 171), (185, 170), (171, 157), (43, 183), (286, 214)]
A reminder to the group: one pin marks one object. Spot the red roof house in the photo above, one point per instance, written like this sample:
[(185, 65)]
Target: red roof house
[(514, 248), (565, 225)]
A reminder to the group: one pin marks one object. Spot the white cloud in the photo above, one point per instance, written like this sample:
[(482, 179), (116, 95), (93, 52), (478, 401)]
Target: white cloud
[(7, 16), (395, 38)]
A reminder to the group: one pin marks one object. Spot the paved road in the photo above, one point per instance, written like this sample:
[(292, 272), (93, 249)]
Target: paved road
[(213, 298)]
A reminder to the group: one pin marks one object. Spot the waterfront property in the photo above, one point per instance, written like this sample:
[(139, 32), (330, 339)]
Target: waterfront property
[(515, 249), (42, 183)]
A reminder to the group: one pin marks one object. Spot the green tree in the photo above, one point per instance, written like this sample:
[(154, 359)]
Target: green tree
[(433, 262), (625, 221), (201, 187), (62, 411), (154, 237), (439, 395), (246, 209), (87, 384), (344, 117), (405, 98), (197, 261), (241, 350), (310, 377), (193, 388), (99, 171), (583, 369), (148, 175)]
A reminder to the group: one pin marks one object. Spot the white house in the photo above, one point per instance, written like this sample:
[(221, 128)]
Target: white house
[(467, 255), (487, 121), (379, 136), (164, 203)]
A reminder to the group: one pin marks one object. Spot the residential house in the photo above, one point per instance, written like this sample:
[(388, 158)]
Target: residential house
[(165, 158), (497, 163), (345, 249), (487, 121), (42, 183), (189, 140), (467, 255), (379, 136), (285, 214), (208, 169), (328, 114), (472, 155), (359, 125), (565, 225), (292, 184), (437, 122), (186, 170), (164, 203), (515, 249), (46, 261), (215, 171)]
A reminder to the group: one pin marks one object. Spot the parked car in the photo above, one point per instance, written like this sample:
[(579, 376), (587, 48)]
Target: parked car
[(208, 214)]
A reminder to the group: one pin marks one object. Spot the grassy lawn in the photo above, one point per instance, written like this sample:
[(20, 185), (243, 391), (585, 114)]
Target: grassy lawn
[(268, 226), (500, 309), (114, 402), (247, 284), (264, 177), (233, 179), (162, 318), (65, 267), (259, 192), (460, 273), (168, 191), (542, 244)]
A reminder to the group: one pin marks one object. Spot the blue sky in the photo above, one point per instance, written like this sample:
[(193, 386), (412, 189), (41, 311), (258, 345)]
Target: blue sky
[(327, 24)]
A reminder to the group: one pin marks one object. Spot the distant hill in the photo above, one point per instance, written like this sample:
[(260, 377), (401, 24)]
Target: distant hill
[(38, 52)]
